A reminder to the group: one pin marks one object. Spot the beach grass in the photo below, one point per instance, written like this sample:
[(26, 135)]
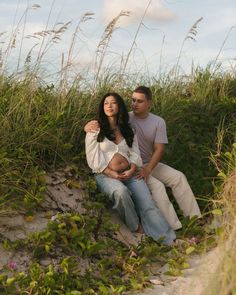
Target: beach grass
[(41, 124)]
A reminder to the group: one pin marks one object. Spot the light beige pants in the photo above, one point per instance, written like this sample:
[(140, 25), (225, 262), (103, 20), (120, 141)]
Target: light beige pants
[(164, 175)]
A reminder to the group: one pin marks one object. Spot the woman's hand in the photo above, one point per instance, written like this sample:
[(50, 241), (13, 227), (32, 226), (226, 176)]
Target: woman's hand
[(91, 126), (121, 176), (128, 173), (111, 173), (115, 175)]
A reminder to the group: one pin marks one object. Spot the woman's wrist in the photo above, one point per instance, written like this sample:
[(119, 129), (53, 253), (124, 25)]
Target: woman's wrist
[(107, 171), (133, 167)]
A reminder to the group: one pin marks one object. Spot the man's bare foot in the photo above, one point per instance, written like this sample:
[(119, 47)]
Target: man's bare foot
[(140, 229)]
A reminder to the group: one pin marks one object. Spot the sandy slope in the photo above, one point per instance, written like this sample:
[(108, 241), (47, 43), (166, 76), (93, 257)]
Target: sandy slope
[(194, 280)]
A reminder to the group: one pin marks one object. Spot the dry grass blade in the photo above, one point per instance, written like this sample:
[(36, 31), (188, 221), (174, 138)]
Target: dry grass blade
[(109, 31), (35, 6), (214, 66), (135, 37), (2, 33), (87, 16), (192, 33), (104, 42), (224, 278), (69, 62)]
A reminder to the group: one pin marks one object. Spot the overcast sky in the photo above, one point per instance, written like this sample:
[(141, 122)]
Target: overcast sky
[(158, 41)]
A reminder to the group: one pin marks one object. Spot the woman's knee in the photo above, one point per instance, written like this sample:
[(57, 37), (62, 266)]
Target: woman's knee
[(122, 195)]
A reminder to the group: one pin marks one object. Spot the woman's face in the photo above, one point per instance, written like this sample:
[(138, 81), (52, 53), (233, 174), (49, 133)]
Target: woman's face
[(111, 108)]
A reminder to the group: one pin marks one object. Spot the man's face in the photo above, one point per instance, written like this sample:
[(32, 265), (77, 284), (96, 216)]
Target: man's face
[(140, 105)]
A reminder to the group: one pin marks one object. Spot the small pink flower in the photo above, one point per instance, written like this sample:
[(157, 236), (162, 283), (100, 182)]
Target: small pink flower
[(193, 241), (133, 254), (12, 265)]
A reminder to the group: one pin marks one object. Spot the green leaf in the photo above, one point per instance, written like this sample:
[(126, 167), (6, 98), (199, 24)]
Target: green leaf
[(217, 212), (47, 248), (190, 250), (185, 265), (6, 245), (82, 245), (219, 231), (76, 218), (228, 155), (10, 281), (104, 289), (3, 277), (222, 175)]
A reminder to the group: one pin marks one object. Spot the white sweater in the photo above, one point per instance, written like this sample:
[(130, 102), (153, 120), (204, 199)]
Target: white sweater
[(99, 154)]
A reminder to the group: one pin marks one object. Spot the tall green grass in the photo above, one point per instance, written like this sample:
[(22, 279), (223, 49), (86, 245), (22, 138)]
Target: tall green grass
[(42, 127), (224, 278), (41, 124)]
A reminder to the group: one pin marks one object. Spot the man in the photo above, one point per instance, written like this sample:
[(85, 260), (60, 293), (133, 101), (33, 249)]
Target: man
[(152, 137)]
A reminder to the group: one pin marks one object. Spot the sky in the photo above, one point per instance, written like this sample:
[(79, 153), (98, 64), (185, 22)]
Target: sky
[(148, 37)]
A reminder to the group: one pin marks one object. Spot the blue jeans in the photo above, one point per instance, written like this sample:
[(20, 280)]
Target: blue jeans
[(132, 200)]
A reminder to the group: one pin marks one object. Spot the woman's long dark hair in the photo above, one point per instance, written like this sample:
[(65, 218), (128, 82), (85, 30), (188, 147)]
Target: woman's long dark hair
[(122, 121)]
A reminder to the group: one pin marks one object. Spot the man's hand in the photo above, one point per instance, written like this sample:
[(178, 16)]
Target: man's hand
[(144, 173), (91, 126)]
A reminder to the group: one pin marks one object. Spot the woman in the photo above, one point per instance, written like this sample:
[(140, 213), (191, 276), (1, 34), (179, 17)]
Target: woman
[(113, 155)]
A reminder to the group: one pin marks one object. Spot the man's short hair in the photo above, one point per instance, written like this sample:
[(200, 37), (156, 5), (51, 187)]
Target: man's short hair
[(144, 90)]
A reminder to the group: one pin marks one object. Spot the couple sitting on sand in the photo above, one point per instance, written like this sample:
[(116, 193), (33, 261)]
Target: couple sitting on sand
[(124, 151)]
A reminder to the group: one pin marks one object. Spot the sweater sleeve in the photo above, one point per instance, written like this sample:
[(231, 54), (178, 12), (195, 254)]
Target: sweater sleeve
[(94, 155), (135, 153)]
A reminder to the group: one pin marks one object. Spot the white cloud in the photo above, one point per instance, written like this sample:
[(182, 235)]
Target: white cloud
[(219, 21), (156, 11)]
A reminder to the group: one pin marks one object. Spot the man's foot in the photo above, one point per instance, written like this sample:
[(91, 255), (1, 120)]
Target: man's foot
[(178, 242), (140, 229)]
